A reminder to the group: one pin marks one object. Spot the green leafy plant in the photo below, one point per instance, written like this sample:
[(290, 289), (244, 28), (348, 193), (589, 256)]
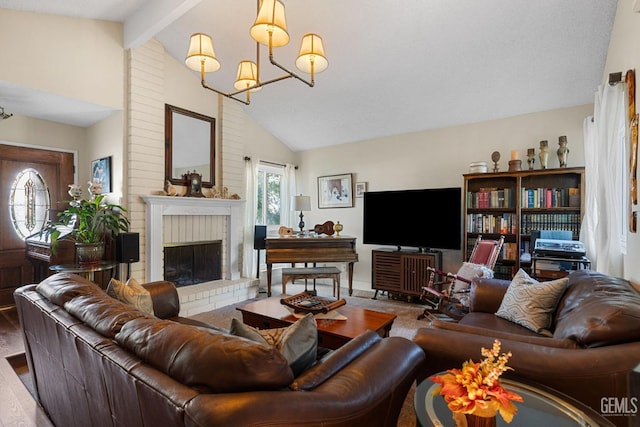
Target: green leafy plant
[(89, 221)]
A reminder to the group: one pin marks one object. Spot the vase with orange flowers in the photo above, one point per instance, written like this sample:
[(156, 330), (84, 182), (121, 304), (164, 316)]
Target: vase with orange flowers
[(474, 394)]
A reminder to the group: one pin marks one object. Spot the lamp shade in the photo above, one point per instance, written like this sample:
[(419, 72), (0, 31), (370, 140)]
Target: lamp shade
[(311, 52), (301, 203), (247, 76), (201, 56), (270, 18)]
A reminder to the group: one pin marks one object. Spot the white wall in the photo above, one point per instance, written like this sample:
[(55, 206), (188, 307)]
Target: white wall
[(623, 55), (431, 159), (76, 58)]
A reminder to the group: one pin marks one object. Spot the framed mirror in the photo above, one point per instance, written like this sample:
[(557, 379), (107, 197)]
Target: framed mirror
[(189, 145)]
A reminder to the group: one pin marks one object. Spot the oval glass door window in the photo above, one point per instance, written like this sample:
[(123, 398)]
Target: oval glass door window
[(29, 203)]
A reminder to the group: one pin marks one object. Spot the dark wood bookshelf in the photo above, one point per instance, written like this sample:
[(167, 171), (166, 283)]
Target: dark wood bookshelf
[(548, 206)]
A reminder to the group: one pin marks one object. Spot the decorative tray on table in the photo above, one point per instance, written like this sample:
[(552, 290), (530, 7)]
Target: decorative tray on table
[(306, 302)]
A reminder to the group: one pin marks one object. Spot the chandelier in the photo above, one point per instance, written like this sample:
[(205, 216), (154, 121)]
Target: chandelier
[(269, 29)]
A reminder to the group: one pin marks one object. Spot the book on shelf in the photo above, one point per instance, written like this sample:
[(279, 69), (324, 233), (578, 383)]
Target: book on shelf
[(549, 197), (509, 251), (490, 198), (493, 224)]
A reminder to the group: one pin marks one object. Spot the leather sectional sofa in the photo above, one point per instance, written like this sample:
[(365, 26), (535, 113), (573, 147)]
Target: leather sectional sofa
[(590, 355), (97, 361)]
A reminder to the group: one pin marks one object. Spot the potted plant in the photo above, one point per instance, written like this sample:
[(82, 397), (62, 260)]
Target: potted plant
[(87, 222)]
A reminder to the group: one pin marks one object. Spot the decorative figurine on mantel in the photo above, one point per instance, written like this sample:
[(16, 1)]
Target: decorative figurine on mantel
[(544, 154), (563, 151), (495, 157), (531, 157)]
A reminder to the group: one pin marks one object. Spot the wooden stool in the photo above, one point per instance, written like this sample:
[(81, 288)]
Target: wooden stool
[(291, 274)]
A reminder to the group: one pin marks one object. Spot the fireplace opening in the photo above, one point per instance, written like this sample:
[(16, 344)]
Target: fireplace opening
[(191, 263)]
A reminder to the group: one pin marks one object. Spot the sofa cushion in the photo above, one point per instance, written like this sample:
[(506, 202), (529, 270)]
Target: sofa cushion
[(62, 287), (132, 293), (298, 343), (203, 359), (105, 315), (530, 303), (598, 310), (486, 324)]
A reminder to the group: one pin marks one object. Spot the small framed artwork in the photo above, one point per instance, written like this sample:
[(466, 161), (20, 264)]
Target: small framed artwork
[(101, 173), (361, 188), (335, 191)]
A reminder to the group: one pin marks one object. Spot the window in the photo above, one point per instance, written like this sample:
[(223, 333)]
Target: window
[(270, 190), (29, 203)]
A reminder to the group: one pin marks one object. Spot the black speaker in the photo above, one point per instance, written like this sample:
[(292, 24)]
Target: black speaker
[(259, 235), (128, 247)]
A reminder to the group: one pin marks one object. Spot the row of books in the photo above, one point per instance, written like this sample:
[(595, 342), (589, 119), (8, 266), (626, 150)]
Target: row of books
[(551, 221), (550, 197), (491, 198), (488, 223)]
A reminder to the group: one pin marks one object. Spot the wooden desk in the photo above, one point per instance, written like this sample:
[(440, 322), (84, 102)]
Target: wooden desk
[(269, 313), (294, 249)]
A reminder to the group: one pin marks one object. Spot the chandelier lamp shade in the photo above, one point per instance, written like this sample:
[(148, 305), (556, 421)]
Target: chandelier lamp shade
[(269, 29)]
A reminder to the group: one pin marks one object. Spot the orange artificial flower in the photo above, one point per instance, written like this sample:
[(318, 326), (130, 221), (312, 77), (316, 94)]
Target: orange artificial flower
[(475, 389)]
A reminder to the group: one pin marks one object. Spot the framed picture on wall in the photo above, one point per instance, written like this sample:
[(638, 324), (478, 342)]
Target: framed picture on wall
[(101, 173), (335, 191), (361, 188)]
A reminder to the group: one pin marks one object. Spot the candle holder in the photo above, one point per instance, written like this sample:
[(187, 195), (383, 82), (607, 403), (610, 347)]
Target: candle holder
[(515, 165)]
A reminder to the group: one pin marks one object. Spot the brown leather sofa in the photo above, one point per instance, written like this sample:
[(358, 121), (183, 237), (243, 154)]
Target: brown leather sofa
[(96, 361), (591, 356)]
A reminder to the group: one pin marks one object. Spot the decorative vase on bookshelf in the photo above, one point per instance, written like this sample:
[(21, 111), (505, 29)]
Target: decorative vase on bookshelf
[(563, 151), (544, 154), (531, 157)]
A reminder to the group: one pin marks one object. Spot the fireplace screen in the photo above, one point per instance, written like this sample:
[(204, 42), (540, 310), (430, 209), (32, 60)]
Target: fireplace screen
[(191, 263)]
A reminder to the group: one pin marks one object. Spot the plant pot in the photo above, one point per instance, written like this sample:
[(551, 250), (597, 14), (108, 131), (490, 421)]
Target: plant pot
[(89, 253)]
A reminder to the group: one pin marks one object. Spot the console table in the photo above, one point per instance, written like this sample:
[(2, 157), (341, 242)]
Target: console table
[(295, 249)]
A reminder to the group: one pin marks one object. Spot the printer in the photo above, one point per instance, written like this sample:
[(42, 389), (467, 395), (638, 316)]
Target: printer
[(559, 248)]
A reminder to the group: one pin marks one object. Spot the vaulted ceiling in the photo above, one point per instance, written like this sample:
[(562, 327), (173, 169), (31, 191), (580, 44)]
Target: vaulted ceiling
[(395, 66)]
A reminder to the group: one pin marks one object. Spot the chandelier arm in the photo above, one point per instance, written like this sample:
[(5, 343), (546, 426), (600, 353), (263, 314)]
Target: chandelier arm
[(291, 73), (277, 79), (228, 95)]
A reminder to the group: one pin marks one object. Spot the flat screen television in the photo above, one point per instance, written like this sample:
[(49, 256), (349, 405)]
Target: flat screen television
[(425, 218)]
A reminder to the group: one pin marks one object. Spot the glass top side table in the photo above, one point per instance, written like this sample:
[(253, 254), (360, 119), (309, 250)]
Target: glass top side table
[(85, 270), (541, 407)]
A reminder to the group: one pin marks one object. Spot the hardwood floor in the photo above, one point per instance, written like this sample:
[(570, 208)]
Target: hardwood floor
[(17, 406)]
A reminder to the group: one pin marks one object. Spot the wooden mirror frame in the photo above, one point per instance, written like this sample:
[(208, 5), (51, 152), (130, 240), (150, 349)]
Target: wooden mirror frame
[(170, 142)]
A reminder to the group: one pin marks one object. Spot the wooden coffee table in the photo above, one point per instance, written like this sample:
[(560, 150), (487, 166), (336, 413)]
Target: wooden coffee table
[(269, 313)]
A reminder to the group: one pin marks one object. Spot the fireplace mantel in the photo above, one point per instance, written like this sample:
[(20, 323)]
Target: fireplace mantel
[(160, 206)]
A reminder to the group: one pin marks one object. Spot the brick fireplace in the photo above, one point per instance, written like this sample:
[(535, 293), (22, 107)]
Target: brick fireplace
[(190, 220)]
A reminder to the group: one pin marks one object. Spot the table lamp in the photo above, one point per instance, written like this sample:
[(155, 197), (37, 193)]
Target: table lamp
[(301, 203)]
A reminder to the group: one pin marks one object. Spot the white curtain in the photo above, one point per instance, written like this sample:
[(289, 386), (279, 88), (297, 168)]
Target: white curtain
[(287, 216), (249, 264), (603, 227)]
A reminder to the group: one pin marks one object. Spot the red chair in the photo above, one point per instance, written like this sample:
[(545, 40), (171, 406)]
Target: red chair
[(450, 295)]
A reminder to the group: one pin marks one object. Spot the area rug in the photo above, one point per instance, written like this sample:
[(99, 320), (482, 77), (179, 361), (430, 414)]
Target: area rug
[(405, 325)]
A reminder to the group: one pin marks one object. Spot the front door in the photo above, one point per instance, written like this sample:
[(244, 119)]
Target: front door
[(26, 175)]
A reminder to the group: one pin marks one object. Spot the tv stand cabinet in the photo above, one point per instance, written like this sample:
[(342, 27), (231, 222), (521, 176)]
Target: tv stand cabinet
[(402, 273)]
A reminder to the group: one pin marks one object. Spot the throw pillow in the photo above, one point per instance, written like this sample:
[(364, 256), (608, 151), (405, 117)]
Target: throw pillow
[(297, 343), (530, 303), (468, 270), (131, 293)]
